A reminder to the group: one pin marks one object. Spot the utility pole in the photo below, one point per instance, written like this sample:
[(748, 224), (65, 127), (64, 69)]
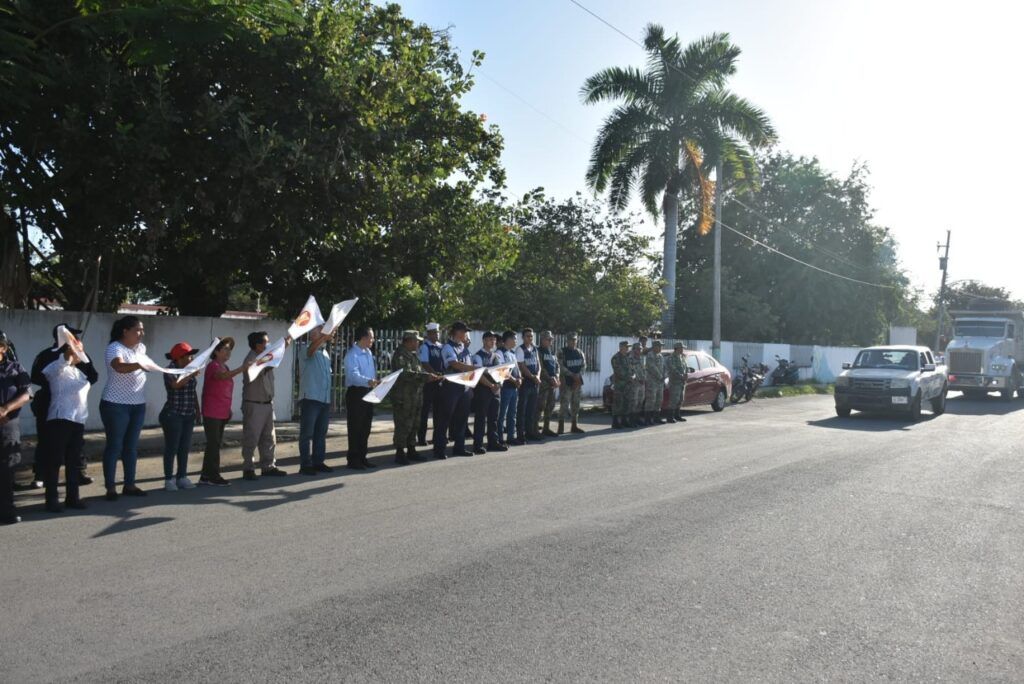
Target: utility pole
[(943, 264), (716, 325)]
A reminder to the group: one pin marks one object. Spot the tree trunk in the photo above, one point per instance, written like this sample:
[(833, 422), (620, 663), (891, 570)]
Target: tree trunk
[(668, 319)]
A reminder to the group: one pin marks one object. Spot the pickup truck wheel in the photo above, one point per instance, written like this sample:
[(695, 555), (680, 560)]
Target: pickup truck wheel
[(719, 403), (843, 411), (1006, 394), (915, 409), (939, 402)]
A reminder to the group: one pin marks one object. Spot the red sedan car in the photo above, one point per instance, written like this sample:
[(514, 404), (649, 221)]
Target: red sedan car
[(708, 382)]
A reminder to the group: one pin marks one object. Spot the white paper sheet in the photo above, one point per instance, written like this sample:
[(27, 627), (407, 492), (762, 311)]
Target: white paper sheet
[(501, 373), (65, 336), (339, 312), (377, 394), (467, 378), (271, 357), (308, 318)]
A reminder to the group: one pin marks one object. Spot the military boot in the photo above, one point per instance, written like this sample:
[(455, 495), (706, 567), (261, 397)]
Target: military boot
[(547, 431), (561, 426), (414, 456), (679, 416), (657, 418), (400, 457), (576, 429), (670, 416)]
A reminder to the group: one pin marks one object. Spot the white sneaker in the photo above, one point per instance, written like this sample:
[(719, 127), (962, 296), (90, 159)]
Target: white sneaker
[(169, 486), (185, 483)]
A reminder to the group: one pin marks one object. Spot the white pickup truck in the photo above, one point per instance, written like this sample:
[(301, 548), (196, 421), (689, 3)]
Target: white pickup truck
[(892, 379)]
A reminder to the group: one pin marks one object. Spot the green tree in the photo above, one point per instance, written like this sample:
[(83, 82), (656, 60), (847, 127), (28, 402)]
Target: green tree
[(676, 120), (575, 268)]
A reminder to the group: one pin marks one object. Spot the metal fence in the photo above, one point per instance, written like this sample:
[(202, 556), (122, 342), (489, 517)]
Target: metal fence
[(384, 345)]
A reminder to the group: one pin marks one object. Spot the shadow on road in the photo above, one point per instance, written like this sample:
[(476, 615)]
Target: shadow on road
[(869, 422), (988, 406)]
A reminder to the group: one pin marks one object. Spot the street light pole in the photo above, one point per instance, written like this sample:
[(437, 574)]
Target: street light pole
[(716, 324), (943, 264)]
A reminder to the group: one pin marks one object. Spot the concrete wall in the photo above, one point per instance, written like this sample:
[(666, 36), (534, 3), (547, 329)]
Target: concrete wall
[(31, 331)]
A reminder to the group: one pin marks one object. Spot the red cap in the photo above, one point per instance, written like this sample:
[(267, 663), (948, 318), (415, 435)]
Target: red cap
[(180, 350)]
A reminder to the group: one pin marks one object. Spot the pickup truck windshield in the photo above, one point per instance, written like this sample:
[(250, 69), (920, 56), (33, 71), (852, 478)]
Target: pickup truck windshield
[(980, 329), (886, 358)]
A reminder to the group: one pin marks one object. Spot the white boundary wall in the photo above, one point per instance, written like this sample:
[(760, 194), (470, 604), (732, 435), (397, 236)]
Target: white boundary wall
[(31, 331)]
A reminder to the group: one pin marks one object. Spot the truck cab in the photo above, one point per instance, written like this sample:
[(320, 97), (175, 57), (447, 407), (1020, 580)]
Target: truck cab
[(986, 353), (892, 379)]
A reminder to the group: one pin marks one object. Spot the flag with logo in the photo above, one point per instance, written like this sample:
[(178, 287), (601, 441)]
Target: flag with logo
[(271, 357), (467, 378), (308, 318), (65, 336), (501, 373), (339, 312), (377, 394)]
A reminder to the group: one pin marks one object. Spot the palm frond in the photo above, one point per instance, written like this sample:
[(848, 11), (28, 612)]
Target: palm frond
[(709, 61), (626, 128), (737, 115), (705, 187), (617, 83)]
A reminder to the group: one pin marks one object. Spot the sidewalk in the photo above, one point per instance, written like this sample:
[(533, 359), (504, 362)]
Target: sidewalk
[(151, 445)]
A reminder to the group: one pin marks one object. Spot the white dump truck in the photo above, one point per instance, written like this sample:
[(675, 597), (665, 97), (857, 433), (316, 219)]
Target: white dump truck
[(986, 353)]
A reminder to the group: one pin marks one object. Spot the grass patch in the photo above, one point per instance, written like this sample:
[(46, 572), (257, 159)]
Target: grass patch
[(793, 391)]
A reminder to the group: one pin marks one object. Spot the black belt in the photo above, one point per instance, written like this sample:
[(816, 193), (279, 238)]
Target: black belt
[(253, 401)]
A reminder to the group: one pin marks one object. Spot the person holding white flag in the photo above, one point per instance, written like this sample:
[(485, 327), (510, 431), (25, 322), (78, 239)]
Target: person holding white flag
[(486, 398), (360, 378), (309, 318), (123, 406), (178, 418), (451, 408), (258, 411)]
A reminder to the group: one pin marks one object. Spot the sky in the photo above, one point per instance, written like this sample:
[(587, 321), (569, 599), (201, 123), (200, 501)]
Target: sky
[(920, 92)]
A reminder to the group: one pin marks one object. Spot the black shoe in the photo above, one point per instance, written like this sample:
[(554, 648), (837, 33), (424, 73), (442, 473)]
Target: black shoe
[(272, 472), (133, 491), (497, 447), (681, 419), (518, 441), (111, 495), (356, 466), (307, 470), (54, 507), (461, 452), (419, 458), (577, 430), (216, 481), (671, 418), (440, 457), (367, 464), (249, 475), (549, 433), (76, 504), (421, 442), (84, 479), (10, 520), (479, 451), (34, 484), (402, 459), (323, 468)]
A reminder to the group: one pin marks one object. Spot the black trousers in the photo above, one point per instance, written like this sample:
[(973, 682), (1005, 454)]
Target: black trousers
[(429, 397), (451, 414), (10, 456), (359, 419), (39, 458), (485, 417), (63, 441), (214, 429)]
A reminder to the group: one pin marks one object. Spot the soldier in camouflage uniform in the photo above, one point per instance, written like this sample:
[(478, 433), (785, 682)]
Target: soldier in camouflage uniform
[(573, 365), (549, 382), (654, 384), (622, 374), (636, 402), (675, 366), (407, 396)]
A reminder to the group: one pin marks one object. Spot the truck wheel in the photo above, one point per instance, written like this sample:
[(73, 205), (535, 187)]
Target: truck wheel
[(915, 409), (843, 411), (1006, 394), (719, 403), (939, 402)]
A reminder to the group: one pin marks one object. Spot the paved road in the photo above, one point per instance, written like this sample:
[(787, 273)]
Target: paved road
[(772, 542)]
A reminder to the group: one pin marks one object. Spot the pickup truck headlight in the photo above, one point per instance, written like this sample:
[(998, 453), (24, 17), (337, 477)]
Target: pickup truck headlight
[(843, 381), (899, 383)]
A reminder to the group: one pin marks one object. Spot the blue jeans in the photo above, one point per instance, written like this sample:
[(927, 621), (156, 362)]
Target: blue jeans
[(507, 413), (313, 429), (123, 425), (177, 442)]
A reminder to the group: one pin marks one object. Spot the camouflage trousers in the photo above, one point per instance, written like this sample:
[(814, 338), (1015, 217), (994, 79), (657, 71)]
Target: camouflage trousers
[(569, 402), (654, 395), (636, 399), (407, 420), (676, 395), (545, 404), (620, 398)]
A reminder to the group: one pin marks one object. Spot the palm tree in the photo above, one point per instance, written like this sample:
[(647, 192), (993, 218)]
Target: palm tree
[(676, 120)]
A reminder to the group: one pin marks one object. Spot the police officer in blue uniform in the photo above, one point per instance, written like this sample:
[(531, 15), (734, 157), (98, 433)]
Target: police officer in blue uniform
[(451, 407), (526, 409), (430, 357), (486, 398)]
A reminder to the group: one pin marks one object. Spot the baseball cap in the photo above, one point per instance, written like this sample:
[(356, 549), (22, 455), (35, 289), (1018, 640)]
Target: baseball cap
[(180, 350)]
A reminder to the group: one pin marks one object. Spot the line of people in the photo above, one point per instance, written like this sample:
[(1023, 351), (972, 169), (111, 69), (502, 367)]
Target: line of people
[(519, 409)]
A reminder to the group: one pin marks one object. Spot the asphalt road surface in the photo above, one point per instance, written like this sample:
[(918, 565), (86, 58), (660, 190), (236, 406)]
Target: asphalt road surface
[(770, 542)]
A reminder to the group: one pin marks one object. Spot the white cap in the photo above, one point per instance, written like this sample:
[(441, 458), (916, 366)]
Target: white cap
[(433, 327)]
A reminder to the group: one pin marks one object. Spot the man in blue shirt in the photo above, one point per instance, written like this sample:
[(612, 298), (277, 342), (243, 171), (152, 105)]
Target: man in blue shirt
[(486, 398), (360, 378), (526, 411), (451, 408), (430, 357), (315, 403), (509, 390)]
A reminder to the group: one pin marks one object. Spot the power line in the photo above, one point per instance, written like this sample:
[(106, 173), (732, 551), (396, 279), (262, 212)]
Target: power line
[(532, 106)]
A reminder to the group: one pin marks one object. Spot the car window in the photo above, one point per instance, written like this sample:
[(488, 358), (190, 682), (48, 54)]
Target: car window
[(1010, 331), (886, 358), (928, 355), (705, 362), (691, 363)]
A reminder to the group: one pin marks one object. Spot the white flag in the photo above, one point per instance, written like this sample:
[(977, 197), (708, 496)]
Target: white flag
[(65, 336), (377, 394), (467, 378), (202, 358), (308, 318), (149, 364), (338, 314), (271, 357), (501, 373)]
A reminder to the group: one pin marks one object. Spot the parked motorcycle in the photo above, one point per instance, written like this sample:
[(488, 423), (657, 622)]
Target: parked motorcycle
[(756, 378), (748, 379), (785, 373)]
